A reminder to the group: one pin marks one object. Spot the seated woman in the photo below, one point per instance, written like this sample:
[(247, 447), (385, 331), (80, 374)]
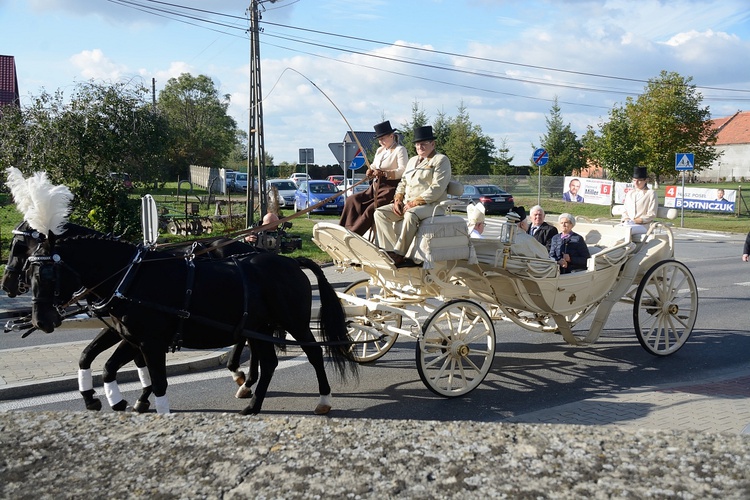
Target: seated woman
[(386, 170), (569, 249), (640, 203)]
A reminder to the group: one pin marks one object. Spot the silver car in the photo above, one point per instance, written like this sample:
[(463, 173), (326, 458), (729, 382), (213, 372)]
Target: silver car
[(286, 188)]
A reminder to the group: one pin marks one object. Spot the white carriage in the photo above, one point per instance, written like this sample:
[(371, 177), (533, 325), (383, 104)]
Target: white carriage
[(449, 304)]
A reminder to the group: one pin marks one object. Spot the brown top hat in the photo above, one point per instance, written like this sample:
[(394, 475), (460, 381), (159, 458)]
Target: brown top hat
[(384, 128), (423, 134)]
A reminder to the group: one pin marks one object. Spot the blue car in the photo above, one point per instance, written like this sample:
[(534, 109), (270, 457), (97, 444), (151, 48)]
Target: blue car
[(318, 191)]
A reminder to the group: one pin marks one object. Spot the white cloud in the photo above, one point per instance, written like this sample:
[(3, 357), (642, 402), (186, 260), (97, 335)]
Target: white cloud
[(93, 64)]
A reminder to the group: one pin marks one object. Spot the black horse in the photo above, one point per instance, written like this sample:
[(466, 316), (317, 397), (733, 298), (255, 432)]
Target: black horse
[(157, 301), (15, 281)]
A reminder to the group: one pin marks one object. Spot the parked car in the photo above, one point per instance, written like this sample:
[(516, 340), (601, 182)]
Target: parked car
[(336, 179), (286, 189), (494, 199), (240, 182), (299, 176), (123, 178), (315, 192)]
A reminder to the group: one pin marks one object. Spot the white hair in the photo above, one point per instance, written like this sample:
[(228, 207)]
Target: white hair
[(570, 218)]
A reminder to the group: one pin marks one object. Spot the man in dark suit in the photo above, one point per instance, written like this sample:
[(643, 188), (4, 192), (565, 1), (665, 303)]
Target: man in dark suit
[(540, 230)]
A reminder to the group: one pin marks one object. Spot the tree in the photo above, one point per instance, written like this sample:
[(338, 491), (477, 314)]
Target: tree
[(203, 133), (102, 129), (502, 162), (470, 151), (669, 119), (562, 145), (618, 149), (418, 119)]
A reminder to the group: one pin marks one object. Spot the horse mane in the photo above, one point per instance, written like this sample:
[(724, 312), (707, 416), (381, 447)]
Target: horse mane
[(44, 205)]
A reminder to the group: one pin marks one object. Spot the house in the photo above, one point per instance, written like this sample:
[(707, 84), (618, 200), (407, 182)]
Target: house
[(8, 82), (733, 142)]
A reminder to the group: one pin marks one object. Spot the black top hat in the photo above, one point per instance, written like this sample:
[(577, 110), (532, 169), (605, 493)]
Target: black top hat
[(640, 173), (382, 129), (423, 134)]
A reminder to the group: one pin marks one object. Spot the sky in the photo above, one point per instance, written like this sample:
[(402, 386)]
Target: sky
[(326, 63)]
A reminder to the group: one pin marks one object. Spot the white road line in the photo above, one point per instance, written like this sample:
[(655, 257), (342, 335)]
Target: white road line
[(189, 378)]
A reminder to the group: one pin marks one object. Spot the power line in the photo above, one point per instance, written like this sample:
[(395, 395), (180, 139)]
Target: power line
[(176, 15)]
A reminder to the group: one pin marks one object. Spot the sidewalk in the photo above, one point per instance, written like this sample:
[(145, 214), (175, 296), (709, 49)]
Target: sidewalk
[(718, 405)]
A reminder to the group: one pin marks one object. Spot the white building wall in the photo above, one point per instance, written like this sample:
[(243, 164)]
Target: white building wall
[(734, 163)]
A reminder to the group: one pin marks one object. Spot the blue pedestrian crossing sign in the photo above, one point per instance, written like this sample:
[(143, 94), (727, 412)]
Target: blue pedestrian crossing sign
[(684, 161), (358, 161)]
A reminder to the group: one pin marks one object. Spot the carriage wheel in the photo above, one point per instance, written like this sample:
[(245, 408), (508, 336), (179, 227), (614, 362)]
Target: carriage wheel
[(456, 348), (172, 228), (665, 307), (371, 349)]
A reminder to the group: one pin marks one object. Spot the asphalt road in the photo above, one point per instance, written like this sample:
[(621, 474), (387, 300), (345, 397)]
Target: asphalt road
[(530, 371)]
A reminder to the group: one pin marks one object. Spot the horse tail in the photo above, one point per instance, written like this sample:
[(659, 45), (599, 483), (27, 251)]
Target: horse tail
[(332, 321)]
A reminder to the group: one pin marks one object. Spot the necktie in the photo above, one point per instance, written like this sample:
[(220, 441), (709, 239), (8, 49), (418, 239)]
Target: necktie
[(533, 230)]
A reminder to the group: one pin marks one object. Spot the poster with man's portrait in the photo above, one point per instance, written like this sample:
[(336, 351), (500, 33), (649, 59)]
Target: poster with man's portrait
[(587, 190)]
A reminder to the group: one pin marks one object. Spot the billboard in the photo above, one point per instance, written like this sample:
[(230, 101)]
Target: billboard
[(703, 199), (587, 190)]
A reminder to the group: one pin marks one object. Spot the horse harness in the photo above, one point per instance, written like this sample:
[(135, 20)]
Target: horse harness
[(120, 294)]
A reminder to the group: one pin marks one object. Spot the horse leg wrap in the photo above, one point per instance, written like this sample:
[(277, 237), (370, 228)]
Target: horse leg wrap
[(144, 376), (243, 392), (324, 405), (85, 382), (112, 391), (162, 404)]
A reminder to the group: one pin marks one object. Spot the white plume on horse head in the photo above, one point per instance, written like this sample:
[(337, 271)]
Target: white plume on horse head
[(44, 205)]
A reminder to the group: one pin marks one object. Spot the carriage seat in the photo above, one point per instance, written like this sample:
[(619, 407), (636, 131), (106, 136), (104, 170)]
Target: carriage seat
[(440, 238), (505, 246)]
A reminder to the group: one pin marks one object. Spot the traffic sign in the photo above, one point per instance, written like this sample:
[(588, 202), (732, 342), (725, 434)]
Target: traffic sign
[(343, 156), (306, 155), (684, 161), (358, 161), (541, 157)]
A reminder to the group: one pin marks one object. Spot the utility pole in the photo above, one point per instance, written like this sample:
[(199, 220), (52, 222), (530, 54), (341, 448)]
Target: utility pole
[(255, 129)]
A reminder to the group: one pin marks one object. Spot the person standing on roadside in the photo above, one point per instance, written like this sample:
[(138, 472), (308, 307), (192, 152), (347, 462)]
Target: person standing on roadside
[(385, 171), (746, 250)]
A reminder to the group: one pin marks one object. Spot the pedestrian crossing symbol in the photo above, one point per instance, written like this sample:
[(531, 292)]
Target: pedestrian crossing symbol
[(684, 161)]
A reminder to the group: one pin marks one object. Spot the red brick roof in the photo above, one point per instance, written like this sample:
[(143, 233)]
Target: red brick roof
[(733, 129), (8, 81)]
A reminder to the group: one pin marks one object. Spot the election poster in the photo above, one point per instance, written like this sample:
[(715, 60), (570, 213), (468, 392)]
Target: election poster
[(702, 199), (587, 190), (622, 188)]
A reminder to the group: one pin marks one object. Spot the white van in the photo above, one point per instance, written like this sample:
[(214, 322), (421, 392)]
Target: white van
[(299, 176)]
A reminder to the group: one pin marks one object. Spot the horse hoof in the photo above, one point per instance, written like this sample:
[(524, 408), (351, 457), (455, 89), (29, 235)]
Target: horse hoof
[(239, 377), (121, 406), (322, 409), (243, 393), (250, 410), (94, 405), (141, 406)]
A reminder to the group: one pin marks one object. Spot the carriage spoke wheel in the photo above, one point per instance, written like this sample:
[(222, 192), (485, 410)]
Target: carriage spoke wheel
[(456, 349), (370, 348), (665, 307)]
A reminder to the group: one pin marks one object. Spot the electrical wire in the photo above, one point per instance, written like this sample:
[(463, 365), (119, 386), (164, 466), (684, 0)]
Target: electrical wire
[(175, 15)]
